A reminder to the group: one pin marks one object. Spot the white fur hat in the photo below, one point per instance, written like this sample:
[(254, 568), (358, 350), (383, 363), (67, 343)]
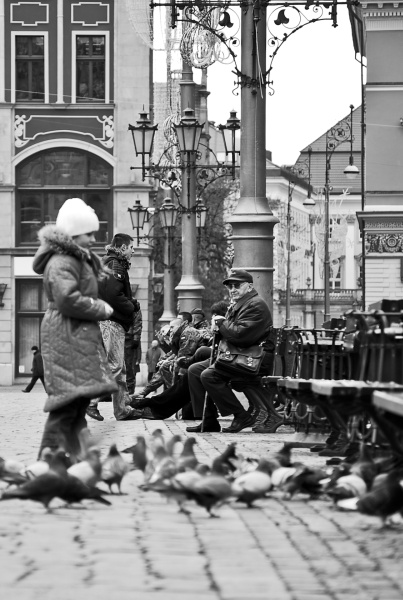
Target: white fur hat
[(76, 217)]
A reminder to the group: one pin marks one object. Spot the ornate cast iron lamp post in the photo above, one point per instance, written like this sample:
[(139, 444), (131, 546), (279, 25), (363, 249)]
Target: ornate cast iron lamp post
[(191, 174), (211, 34), (342, 133)]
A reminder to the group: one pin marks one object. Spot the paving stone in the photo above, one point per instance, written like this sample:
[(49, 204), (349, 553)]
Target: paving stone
[(142, 548)]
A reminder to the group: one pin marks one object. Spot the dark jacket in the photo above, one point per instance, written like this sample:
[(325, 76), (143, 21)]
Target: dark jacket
[(248, 322), (37, 364), (152, 357), (75, 363), (116, 291)]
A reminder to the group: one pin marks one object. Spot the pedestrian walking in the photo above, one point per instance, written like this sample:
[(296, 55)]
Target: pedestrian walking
[(116, 291), (37, 370), (246, 324), (153, 355), (75, 364)]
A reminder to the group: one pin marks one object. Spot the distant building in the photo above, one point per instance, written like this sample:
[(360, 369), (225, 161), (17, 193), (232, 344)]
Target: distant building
[(307, 232)]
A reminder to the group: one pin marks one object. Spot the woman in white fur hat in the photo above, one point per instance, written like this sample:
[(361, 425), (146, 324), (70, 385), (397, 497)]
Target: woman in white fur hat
[(76, 368)]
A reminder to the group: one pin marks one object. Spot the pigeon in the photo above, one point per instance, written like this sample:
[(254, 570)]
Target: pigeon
[(384, 501), (253, 485), (281, 475), (75, 491), (12, 471), (44, 487), (161, 467), (348, 486), (187, 459), (41, 466), (171, 444), (213, 489), (114, 468), (139, 453), (88, 470), (364, 466), (157, 440), (283, 456), (305, 481)]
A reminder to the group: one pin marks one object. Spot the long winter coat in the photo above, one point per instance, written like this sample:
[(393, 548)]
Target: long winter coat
[(74, 359)]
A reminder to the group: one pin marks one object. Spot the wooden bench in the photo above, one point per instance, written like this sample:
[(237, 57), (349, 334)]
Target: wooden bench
[(314, 353), (379, 368)]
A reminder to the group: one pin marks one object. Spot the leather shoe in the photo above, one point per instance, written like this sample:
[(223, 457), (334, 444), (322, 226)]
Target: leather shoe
[(241, 422), (25, 391), (146, 413), (138, 402), (93, 412), (132, 416), (209, 427)]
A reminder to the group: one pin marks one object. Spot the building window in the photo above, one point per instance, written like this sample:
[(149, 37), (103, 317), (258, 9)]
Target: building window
[(31, 306), (29, 68), (335, 274), (90, 68), (46, 180)]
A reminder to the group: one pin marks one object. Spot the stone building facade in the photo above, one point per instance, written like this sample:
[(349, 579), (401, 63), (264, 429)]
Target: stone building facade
[(73, 75)]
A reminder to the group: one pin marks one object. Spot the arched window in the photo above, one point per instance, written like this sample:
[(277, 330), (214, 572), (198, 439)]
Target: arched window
[(47, 179)]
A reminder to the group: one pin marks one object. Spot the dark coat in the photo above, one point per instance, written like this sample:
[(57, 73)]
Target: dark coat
[(152, 357), (116, 291), (37, 364), (74, 359), (248, 322)]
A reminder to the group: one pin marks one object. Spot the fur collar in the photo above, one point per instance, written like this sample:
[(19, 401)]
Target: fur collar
[(54, 241)]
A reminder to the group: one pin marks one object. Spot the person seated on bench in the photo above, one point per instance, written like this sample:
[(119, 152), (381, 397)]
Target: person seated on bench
[(163, 406), (247, 323)]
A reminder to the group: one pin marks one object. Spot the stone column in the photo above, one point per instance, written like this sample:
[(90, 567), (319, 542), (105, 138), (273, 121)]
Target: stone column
[(189, 288), (252, 221)]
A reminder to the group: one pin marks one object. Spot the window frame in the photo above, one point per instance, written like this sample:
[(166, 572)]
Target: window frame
[(90, 33), (45, 35), (21, 314), (80, 190)]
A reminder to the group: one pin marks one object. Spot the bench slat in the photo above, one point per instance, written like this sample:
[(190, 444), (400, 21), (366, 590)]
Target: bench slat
[(390, 402)]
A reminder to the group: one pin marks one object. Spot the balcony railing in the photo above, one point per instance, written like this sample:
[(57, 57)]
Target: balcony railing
[(310, 295)]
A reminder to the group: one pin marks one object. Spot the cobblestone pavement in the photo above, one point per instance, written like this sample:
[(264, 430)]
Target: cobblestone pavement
[(141, 548)]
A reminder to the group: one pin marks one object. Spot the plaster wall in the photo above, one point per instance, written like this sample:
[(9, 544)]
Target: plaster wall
[(131, 78), (6, 320), (382, 279), (384, 158), (384, 53)]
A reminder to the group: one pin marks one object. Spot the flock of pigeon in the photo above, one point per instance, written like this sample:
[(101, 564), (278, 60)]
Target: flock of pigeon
[(172, 469)]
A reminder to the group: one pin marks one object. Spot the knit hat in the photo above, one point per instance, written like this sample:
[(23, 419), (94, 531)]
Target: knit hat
[(76, 217)]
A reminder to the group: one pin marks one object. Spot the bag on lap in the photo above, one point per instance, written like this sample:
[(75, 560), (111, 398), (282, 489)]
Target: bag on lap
[(235, 361)]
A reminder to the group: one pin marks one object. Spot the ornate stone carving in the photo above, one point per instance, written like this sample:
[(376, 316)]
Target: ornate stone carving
[(99, 128), (385, 225), (383, 243)]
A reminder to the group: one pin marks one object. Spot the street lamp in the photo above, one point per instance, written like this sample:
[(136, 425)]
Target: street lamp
[(194, 178), (341, 133), (188, 133), (143, 138), (302, 170), (228, 131), (138, 216), (168, 213)]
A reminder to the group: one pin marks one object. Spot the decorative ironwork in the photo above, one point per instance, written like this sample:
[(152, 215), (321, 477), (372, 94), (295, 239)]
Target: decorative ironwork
[(212, 29), (287, 19)]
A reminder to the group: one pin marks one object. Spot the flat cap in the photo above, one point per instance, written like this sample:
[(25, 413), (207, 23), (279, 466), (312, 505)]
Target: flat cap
[(238, 275)]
